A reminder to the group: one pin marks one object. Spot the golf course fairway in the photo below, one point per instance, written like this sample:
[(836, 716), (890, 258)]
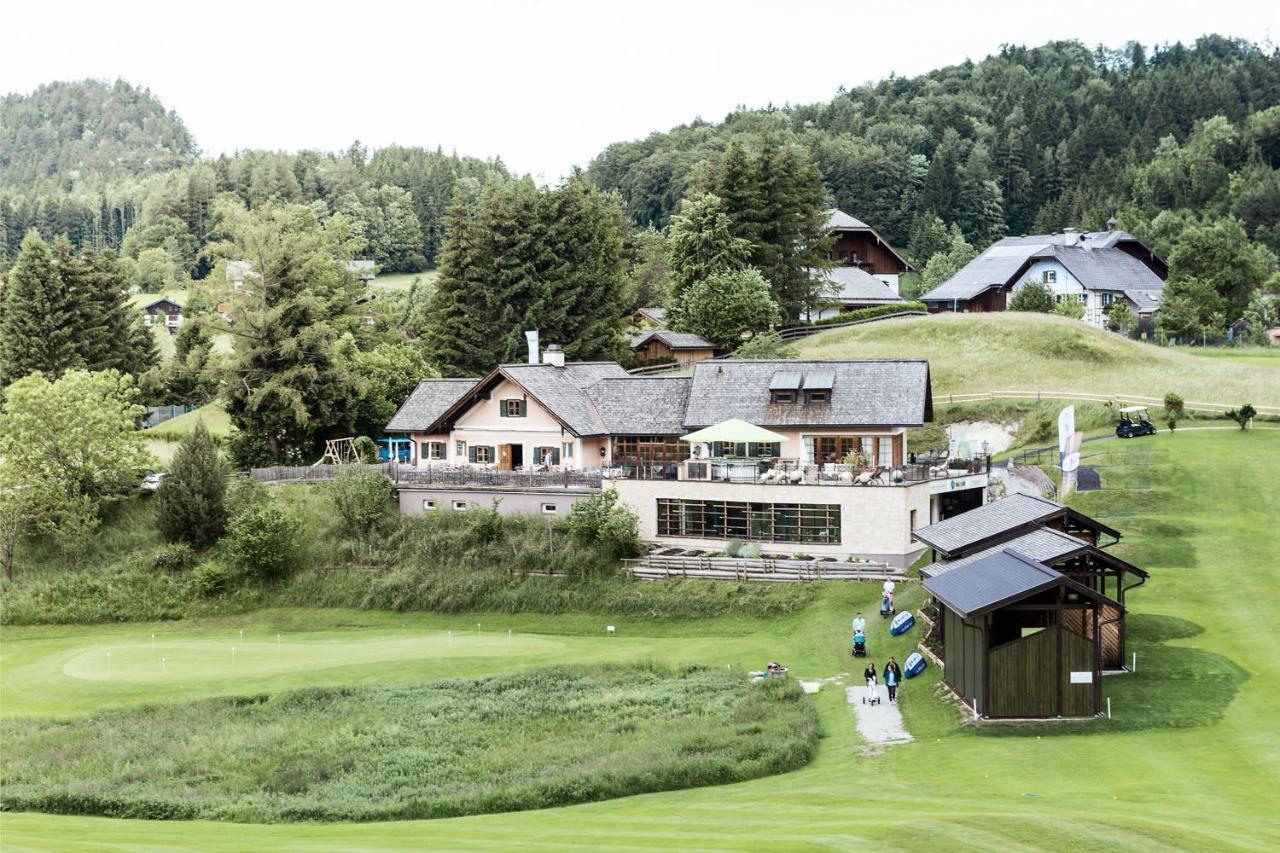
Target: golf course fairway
[(1190, 760)]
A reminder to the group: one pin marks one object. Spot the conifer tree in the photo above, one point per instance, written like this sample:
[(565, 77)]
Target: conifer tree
[(703, 242), (190, 503), (38, 333)]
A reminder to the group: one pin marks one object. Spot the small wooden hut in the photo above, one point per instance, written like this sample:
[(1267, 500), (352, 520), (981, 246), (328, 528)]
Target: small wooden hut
[(1017, 638)]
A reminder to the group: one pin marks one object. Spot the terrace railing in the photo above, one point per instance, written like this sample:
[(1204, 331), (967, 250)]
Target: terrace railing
[(790, 472), (442, 476)]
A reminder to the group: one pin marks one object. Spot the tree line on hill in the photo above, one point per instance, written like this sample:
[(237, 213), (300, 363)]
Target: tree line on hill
[(1181, 146), (107, 166)]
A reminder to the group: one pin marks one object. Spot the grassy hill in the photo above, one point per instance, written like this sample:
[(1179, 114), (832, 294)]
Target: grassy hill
[(1029, 352)]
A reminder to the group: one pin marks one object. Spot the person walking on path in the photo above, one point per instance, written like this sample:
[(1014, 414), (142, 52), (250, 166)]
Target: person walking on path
[(870, 675), (859, 624), (889, 587), (892, 675)]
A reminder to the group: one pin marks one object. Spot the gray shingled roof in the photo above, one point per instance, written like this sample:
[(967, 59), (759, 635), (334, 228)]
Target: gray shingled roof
[(864, 393), (856, 286), (1000, 264), (674, 340), (1043, 544), (994, 580), (427, 403), (1107, 269), (562, 390), (1145, 300), (642, 405), (656, 313), (984, 522), (838, 219)]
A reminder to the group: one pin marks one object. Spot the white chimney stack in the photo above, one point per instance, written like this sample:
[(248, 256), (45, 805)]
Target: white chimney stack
[(553, 355), (1069, 236), (532, 338)]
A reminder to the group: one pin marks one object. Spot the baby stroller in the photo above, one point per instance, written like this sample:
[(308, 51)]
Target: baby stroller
[(859, 645), (886, 606), (873, 696)]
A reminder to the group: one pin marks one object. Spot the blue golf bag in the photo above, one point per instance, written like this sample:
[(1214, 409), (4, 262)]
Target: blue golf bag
[(902, 623), (914, 665)]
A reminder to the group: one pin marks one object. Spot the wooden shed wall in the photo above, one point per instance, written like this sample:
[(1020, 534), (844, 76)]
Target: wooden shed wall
[(1025, 676), (964, 653)]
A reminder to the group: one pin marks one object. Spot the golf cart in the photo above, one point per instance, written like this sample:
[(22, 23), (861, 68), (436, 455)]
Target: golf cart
[(1134, 421)]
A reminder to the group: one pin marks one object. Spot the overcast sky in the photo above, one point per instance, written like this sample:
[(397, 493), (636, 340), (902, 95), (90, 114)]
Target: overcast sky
[(543, 85)]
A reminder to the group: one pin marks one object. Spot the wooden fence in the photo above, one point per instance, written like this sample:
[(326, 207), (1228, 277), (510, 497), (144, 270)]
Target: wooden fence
[(312, 473), (1089, 397), (658, 567), (795, 333)]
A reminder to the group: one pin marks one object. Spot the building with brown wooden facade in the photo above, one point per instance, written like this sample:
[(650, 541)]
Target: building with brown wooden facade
[(663, 346)]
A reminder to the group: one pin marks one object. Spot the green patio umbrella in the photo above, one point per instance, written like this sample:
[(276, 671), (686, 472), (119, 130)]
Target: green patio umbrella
[(734, 430)]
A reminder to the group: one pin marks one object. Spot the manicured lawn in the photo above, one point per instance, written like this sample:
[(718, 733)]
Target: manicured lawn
[(1190, 761), (402, 280), (1257, 356), (1028, 352)]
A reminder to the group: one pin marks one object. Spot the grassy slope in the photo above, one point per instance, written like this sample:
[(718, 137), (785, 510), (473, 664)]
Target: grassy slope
[(402, 281), (1021, 352), (1257, 356), (214, 416), (1204, 629)]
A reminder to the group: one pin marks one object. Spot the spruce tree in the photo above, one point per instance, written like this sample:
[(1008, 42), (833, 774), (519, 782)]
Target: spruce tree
[(191, 501), (39, 332), (461, 334)]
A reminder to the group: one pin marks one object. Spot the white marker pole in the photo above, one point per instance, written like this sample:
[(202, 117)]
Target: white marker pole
[(508, 636), (164, 665), (477, 629), (277, 642), (242, 635), (451, 638), (1108, 707), (1134, 668), (153, 641)]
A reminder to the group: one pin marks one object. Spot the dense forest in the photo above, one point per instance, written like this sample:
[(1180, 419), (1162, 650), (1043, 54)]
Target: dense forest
[(107, 166), (1030, 140)]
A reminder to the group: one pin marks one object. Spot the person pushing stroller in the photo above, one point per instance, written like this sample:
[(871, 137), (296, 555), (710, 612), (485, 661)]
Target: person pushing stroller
[(872, 697)]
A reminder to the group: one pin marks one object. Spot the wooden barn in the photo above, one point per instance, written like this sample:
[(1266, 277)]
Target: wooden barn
[(661, 346), (1016, 638)]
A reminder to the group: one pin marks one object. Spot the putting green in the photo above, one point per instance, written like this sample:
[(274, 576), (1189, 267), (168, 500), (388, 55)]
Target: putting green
[(1202, 775), (200, 660)]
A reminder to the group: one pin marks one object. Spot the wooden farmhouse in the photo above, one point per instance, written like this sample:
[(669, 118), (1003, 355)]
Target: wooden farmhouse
[(163, 312), (865, 272), (1096, 269)]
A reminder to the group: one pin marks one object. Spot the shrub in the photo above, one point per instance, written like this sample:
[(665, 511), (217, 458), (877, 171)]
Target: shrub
[(176, 557), (264, 541), (485, 523), (367, 448), (1033, 296), (212, 578), (191, 501), (1072, 308), (766, 346), (863, 314), (603, 520), (361, 502), (1243, 415), (1173, 409)]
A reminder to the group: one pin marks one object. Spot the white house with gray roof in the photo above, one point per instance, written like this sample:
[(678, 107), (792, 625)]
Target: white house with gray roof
[(1095, 268), (835, 477)]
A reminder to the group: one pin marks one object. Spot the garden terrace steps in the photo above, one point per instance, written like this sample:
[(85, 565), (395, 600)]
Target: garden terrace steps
[(662, 567)]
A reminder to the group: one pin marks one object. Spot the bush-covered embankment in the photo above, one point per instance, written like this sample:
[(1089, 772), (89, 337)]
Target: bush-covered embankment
[(441, 562), (436, 749)]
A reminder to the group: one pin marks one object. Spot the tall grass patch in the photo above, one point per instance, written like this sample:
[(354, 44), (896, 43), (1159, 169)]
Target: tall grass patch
[(433, 749)]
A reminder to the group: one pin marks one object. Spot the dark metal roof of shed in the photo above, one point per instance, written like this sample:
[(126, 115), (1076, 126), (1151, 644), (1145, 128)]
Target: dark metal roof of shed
[(987, 523), (997, 580)]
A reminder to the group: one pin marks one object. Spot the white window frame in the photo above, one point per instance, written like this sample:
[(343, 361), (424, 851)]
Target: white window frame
[(566, 450), (428, 503), (548, 509), (461, 506), (1050, 276), (433, 446), (460, 449)]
